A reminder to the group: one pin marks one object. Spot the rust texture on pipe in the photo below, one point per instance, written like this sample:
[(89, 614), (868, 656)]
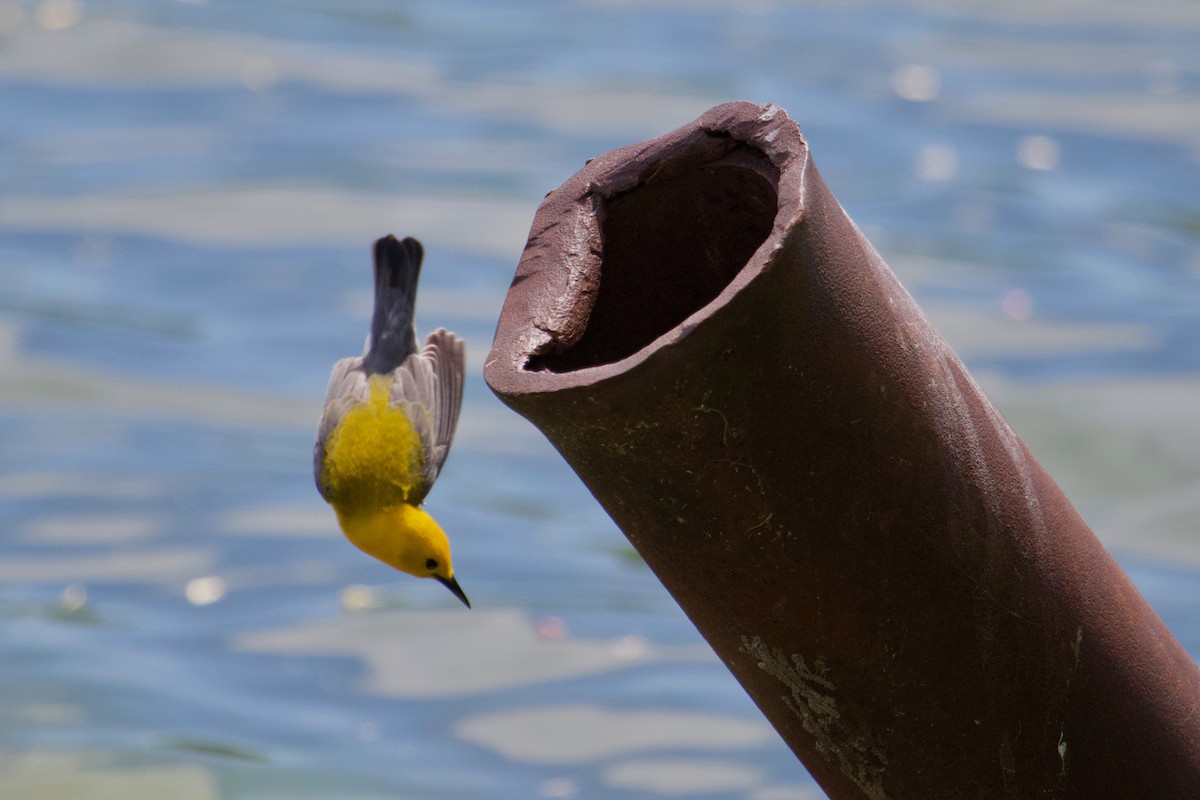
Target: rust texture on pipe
[(742, 383)]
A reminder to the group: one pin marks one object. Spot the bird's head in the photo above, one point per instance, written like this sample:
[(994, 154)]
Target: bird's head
[(409, 539), (426, 553), (424, 550)]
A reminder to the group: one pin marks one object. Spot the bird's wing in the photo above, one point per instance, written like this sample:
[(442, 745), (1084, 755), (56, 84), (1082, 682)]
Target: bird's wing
[(348, 386), (429, 387)]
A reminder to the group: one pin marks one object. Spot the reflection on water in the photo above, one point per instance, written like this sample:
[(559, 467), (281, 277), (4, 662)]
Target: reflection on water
[(189, 194), (41, 775), (459, 654)]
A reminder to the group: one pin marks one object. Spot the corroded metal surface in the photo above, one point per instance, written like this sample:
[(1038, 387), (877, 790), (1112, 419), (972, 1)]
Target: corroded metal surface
[(745, 387)]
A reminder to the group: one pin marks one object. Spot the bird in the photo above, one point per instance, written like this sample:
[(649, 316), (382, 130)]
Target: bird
[(389, 418)]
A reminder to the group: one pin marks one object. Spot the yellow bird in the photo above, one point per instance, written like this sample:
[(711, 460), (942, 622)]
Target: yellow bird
[(389, 418)]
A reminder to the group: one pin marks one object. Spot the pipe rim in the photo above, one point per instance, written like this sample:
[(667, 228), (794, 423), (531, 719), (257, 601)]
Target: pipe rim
[(556, 283)]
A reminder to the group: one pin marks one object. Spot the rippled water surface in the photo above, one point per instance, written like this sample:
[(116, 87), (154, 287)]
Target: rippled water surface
[(188, 192)]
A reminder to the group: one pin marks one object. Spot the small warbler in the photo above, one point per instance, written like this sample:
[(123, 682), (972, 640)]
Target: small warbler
[(389, 418)]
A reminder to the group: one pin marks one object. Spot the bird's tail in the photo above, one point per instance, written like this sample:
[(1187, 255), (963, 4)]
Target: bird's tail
[(393, 338)]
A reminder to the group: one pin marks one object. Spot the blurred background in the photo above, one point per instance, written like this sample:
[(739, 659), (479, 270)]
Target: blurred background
[(188, 194)]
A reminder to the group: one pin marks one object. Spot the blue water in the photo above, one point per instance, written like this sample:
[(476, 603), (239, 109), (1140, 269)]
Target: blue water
[(188, 193)]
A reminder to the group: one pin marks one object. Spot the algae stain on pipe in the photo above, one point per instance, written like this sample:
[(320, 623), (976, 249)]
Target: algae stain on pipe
[(813, 701)]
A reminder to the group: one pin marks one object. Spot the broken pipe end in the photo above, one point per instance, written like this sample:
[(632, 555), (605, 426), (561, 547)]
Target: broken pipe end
[(707, 205)]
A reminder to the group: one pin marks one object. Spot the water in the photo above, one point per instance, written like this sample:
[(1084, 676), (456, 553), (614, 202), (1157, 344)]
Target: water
[(189, 192)]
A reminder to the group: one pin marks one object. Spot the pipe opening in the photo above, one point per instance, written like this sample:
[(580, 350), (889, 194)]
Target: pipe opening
[(669, 246)]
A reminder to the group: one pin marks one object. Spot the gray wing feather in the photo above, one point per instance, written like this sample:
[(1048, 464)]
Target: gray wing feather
[(429, 385), (348, 386)]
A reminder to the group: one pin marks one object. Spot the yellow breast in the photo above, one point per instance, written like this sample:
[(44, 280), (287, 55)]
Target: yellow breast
[(374, 457)]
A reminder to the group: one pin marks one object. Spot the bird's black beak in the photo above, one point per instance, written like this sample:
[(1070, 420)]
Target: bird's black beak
[(452, 585)]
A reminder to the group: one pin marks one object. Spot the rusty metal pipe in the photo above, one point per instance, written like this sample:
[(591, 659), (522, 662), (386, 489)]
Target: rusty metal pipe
[(745, 387)]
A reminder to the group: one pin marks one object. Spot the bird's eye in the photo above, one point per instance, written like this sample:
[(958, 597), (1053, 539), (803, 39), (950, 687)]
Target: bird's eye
[(431, 563)]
